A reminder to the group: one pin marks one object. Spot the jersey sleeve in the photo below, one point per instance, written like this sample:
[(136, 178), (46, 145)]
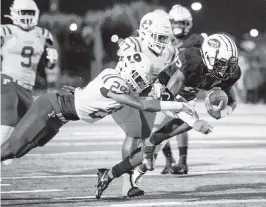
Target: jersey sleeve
[(233, 79), (112, 81), (129, 46), (46, 34), (5, 31)]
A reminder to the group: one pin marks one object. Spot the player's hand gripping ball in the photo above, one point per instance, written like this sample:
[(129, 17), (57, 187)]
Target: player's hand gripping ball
[(215, 101)]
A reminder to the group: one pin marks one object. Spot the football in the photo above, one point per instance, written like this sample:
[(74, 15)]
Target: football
[(215, 96)]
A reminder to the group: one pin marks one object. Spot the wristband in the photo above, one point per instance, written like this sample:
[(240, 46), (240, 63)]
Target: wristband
[(171, 105)]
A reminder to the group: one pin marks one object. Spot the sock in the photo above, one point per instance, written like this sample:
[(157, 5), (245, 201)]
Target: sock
[(167, 150), (142, 168), (183, 155), (120, 168)]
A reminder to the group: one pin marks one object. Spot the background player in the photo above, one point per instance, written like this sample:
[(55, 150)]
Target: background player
[(214, 65), (182, 22), (107, 93), (22, 45)]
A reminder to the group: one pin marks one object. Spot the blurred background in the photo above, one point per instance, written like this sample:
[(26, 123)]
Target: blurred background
[(86, 34)]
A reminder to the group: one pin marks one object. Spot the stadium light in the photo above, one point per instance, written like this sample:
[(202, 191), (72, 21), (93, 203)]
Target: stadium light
[(73, 27), (254, 32), (196, 6), (114, 38)]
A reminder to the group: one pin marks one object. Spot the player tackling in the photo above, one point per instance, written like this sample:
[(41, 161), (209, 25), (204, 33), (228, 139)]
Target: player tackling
[(215, 64), (107, 93)]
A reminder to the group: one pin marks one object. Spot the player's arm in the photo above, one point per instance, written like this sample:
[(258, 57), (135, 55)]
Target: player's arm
[(144, 105), (176, 82), (232, 102)]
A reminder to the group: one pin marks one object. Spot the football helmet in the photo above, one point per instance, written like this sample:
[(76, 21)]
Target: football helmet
[(135, 69), (220, 55), (24, 13), (181, 20), (156, 31)]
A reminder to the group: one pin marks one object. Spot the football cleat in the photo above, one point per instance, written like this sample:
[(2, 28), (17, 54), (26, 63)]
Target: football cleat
[(148, 157), (179, 169), (170, 162), (135, 191), (102, 182)]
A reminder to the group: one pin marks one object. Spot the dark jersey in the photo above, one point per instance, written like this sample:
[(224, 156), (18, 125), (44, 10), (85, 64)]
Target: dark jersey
[(196, 74)]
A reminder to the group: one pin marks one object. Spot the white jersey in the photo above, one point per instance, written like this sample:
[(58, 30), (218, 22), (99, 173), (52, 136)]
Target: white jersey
[(159, 63), (22, 51), (91, 105)]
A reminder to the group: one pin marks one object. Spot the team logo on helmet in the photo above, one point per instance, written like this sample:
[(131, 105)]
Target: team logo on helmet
[(214, 43), (146, 24)]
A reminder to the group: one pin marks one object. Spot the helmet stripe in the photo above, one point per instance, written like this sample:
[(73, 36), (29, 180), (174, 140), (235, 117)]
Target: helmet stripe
[(233, 46)]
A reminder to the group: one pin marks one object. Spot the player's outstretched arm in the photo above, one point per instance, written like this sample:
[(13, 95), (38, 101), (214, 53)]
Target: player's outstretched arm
[(145, 105)]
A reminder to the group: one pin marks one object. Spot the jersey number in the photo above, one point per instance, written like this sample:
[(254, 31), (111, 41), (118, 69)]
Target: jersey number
[(119, 88), (27, 53)]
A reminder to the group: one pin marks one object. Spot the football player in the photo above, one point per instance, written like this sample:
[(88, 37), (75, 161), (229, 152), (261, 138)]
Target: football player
[(215, 64), (182, 22), (154, 40), (107, 93), (22, 45)]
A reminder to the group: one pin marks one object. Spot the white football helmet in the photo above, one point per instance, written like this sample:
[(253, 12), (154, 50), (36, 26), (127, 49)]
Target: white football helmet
[(219, 54), (24, 13), (181, 20), (135, 69), (156, 31)]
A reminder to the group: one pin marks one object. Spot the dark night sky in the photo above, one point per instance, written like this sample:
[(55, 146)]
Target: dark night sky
[(232, 16)]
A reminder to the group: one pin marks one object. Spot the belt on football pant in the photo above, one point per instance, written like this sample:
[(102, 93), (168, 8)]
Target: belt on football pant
[(24, 85)]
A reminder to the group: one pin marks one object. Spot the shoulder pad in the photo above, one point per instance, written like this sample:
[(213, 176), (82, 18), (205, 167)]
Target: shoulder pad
[(42, 32), (189, 60), (6, 30), (194, 40), (129, 46)]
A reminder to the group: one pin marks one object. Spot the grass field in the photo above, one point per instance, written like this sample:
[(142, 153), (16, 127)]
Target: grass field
[(227, 167)]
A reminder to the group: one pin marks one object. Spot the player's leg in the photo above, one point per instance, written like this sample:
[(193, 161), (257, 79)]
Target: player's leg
[(39, 125), (181, 167), (9, 106), (105, 176), (167, 152)]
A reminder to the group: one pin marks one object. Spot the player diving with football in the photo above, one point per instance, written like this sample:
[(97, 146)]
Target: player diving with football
[(107, 93), (23, 44), (182, 22), (215, 64)]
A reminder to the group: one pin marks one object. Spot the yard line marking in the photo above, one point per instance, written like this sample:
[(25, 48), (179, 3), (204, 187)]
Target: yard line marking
[(31, 191), (89, 143), (5, 184), (188, 203), (148, 174), (74, 153)]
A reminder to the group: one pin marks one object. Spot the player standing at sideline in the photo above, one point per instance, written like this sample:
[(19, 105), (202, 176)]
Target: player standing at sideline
[(182, 22), (107, 93), (22, 45), (215, 64)]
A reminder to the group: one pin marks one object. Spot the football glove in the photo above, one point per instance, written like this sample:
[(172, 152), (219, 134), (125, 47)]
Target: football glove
[(52, 55), (213, 110)]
